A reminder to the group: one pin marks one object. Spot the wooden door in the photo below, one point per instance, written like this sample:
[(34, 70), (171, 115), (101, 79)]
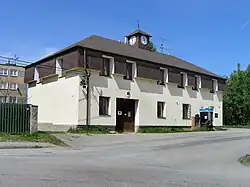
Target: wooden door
[(125, 115)]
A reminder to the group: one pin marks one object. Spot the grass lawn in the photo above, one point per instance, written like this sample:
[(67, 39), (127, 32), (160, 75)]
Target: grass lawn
[(43, 137), (239, 126)]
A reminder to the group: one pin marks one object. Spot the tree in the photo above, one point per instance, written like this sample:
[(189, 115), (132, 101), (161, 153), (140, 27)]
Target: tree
[(237, 98), (152, 47)]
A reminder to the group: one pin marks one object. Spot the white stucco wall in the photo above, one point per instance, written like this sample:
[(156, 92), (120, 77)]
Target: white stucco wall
[(57, 100), (148, 93)]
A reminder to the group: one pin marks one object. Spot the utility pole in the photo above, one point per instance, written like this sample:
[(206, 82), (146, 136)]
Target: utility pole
[(88, 98)]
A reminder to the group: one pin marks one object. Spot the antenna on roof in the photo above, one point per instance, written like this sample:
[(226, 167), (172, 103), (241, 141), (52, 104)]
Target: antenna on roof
[(138, 24), (162, 46)]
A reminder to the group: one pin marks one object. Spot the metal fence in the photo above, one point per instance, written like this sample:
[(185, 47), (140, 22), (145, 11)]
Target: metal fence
[(17, 118)]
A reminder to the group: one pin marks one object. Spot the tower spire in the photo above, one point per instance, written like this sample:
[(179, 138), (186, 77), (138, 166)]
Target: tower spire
[(138, 24)]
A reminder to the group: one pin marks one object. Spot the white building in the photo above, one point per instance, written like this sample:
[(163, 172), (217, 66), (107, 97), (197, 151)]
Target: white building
[(129, 86)]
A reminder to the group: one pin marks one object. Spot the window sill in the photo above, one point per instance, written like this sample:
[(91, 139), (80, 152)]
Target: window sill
[(161, 83), (182, 87), (161, 117), (129, 79), (103, 115), (108, 76), (195, 89), (186, 119)]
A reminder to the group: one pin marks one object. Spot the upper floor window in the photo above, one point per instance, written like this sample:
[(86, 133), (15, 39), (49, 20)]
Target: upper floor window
[(4, 85), (59, 66), (163, 76), (129, 71), (214, 86), (13, 72), (197, 82), (105, 71), (3, 71), (13, 86), (183, 80)]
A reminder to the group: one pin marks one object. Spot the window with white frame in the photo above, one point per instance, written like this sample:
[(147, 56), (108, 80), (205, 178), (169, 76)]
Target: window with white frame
[(13, 86), (3, 85), (214, 86), (130, 72), (107, 66), (12, 99), (59, 66), (13, 72), (4, 71), (197, 82), (163, 76), (104, 106), (161, 111), (183, 80), (186, 111), (36, 74)]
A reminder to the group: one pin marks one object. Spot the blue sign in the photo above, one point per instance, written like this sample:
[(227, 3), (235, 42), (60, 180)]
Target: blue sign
[(206, 110)]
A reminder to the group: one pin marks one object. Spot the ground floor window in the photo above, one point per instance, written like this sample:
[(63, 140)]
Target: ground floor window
[(186, 111), (161, 109), (104, 105)]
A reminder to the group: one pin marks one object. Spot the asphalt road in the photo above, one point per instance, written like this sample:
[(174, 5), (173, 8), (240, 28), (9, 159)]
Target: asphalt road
[(191, 159)]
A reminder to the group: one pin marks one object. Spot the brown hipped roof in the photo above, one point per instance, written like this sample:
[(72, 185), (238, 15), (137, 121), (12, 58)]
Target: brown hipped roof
[(120, 48)]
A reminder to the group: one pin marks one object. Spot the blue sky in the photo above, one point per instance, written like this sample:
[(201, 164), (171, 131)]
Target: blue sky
[(213, 34)]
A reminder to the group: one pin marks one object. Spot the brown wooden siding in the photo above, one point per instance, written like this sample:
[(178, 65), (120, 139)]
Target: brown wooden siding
[(221, 85), (191, 80), (120, 67), (148, 71), (46, 68), (70, 60), (206, 82), (29, 74), (174, 76)]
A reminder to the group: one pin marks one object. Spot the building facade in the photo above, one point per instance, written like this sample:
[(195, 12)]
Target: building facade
[(129, 87), (12, 86)]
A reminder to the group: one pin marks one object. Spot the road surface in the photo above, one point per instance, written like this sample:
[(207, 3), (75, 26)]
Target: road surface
[(170, 160)]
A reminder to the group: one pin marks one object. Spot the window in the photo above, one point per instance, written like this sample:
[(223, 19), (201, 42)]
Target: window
[(12, 99), (214, 86), (104, 106), (181, 85), (59, 66), (3, 85), (3, 99), (186, 111), (195, 83), (129, 71), (105, 67), (13, 72), (162, 77), (216, 115), (160, 109), (13, 86), (3, 71)]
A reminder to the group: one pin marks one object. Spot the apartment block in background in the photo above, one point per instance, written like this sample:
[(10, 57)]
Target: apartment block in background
[(12, 87)]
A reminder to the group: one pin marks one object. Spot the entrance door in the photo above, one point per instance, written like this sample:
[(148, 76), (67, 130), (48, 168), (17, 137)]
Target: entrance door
[(125, 115)]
